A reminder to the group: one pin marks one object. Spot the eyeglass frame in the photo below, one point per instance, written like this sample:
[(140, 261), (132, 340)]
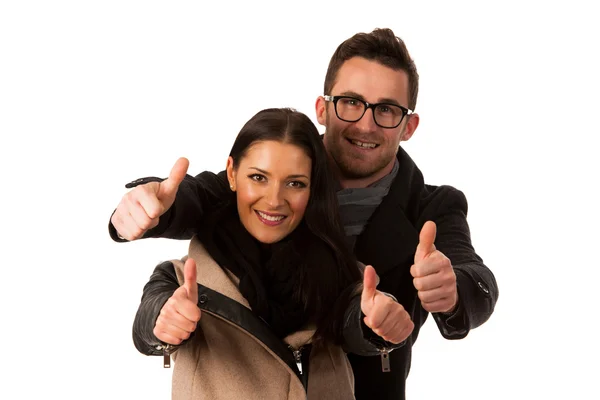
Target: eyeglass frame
[(372, 106)]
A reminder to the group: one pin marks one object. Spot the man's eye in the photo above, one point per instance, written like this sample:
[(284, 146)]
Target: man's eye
[(350, 102)]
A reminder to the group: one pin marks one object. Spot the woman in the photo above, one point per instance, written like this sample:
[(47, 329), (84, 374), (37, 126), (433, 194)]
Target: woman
[(268, 299)]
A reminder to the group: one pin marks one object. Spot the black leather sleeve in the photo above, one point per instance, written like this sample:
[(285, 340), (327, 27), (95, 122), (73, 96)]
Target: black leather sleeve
[(477, 287), (196, 197), (161, 286), (358, 337)]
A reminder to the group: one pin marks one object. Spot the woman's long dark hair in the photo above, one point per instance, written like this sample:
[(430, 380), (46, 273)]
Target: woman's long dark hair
[(330, 270)]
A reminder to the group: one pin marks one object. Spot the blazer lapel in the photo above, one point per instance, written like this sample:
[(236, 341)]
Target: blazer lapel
[(390, 237)]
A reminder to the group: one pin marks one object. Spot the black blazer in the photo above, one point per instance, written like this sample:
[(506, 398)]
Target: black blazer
[(389, 242)]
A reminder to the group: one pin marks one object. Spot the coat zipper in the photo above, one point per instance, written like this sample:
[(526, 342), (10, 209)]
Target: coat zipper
[(297, 357), (385, 359), (296, 353), (167, 349)]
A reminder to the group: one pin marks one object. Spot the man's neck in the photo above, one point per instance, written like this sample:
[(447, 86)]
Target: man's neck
[(358, 183)]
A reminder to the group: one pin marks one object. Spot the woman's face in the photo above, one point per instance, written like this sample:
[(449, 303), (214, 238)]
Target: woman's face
[(272, 184)]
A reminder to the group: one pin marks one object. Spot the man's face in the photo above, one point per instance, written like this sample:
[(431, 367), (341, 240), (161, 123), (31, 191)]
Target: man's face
[(362, 149)]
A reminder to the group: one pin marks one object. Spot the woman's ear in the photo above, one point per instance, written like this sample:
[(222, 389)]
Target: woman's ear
[(231, 173)]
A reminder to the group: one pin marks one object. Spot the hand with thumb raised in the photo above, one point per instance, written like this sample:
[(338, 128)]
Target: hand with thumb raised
[(433, 275), (179, 316), (386, 317), (141, 208)]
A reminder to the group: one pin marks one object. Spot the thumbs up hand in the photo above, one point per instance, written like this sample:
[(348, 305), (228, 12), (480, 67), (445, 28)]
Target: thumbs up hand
[(434, 277), (141, 208), (179, 316), (386, 317)]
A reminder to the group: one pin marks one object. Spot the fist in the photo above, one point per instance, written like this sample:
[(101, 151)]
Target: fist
[(433, 275), (141, 208), (180, 315)]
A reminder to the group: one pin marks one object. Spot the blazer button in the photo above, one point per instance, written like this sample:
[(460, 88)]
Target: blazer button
[(483, 288), (203, 298)]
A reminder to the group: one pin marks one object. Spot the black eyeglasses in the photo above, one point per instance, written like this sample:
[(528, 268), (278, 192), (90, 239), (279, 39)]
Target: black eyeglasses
[(351, 109)]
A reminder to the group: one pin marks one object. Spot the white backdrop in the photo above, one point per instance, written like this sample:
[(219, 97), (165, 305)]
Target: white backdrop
[(95, 94)]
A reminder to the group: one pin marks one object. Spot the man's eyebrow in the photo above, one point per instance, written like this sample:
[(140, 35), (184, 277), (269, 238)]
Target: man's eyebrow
[(386, 100), (353, 94), (262, 171)]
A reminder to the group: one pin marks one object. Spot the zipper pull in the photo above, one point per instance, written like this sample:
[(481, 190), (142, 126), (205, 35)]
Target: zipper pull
[(166, 359), (166, 356), (298, 358), (385, 360)]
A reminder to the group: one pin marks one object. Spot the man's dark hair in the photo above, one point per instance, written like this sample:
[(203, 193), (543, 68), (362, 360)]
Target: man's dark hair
[(382, 46)]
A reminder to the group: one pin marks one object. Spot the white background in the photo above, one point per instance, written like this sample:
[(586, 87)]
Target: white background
[(94, 94)]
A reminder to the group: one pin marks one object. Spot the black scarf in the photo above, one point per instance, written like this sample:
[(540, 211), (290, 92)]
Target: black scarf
[(357, 205), (269, 275)]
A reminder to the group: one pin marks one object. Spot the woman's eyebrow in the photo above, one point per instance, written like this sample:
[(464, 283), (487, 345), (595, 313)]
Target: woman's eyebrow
[(293, 176)]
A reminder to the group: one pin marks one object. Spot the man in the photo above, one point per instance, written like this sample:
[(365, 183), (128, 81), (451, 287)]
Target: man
[(415, 235)]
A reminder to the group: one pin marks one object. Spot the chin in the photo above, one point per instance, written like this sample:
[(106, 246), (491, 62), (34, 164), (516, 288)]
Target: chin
[(269, 237)]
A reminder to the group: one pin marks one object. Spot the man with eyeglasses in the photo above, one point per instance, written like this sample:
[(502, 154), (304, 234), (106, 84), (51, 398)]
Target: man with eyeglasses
[(415, 235)]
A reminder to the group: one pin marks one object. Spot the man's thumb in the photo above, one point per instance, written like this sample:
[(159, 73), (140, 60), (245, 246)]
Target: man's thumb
[(189, 276), (369, 289), (168, 187), (426, 239)]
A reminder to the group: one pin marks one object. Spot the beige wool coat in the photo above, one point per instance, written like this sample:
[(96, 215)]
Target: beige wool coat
[(222, 360)]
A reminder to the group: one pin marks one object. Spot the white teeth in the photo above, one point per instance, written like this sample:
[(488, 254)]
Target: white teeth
[(271, 218), (363, 144)]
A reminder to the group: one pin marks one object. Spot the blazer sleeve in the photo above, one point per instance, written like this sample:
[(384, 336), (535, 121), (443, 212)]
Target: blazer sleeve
[(358, 338), (161, 286), (477, 287), (196, 197)]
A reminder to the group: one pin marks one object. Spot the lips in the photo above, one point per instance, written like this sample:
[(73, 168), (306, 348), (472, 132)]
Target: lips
[(270, 219), (361, 144)]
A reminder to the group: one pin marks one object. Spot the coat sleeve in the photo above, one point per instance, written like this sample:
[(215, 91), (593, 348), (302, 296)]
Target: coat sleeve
[(196, 197), (358, 338), (161, 286), (477, 287)]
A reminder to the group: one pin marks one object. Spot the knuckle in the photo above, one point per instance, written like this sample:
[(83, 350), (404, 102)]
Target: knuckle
[(129, 197), (137, 232), (152, 212), (416, 270), (144, 224), (145, 189), (153, 223), (418, 283), (116, 217)]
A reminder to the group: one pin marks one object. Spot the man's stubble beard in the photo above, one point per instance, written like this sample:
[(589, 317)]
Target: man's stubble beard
[(347, 166)]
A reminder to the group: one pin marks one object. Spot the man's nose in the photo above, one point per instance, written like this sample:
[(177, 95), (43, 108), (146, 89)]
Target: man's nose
[(367, 122)]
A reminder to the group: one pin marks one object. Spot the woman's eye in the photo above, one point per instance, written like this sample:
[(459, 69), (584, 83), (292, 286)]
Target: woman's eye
[(257, 177), (297, 184)]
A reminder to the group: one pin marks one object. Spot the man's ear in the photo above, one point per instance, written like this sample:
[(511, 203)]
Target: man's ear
[(411, 127), (321, 109), (231, 173)]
